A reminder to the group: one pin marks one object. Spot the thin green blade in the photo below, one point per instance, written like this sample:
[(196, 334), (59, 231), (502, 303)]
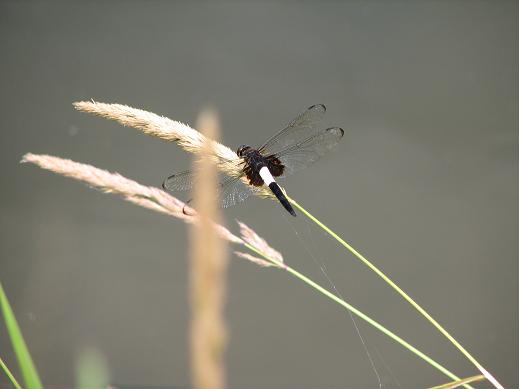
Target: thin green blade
[(29, 373), (10, 375)]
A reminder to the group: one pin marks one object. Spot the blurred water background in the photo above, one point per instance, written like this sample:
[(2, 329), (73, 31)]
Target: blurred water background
[(425, 183)]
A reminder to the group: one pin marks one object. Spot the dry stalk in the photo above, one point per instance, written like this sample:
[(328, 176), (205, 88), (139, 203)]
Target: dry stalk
[(208, 273)]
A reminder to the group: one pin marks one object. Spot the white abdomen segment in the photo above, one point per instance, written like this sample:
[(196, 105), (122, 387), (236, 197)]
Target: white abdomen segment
[(274, 187), (266, 176)]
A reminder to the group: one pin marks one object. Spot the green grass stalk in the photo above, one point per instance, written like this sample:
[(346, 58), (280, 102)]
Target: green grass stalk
[(401, 292), (360, 314), (29, 373), (9, 375)]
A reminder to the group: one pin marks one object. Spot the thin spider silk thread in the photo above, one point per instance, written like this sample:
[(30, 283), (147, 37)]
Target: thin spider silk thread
[(386, 366), (322, 268)]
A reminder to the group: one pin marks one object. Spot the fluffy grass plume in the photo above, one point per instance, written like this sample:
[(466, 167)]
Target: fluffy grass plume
[(164, 128)]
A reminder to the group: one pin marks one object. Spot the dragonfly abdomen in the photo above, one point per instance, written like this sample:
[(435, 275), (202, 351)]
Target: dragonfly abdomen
[(274, 187)]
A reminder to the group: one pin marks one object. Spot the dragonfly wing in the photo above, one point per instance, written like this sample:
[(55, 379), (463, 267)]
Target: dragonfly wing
[(298, 129), (309, 150), (230, 190), (185, 180), (179, 181), (233, 191)]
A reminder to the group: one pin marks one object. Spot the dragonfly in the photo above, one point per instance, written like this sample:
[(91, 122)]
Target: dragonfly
[(290, 150)]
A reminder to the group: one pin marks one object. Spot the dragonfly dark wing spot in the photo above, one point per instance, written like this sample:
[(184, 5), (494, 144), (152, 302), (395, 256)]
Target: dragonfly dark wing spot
[(256, 180), (253, 176), (275, 166)]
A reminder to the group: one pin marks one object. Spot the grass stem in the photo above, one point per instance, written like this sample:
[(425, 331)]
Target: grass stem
[(401, 292), (29, 373), (360, 314), (9, 375)]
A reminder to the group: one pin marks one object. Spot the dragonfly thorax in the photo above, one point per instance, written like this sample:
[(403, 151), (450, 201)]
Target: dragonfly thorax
[(242, 150), (252, 157)]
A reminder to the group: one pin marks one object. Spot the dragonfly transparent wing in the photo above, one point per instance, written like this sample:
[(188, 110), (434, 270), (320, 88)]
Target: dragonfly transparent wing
[(231, 190), (185, 180), (302, 127), (179, 182), (306, 151)]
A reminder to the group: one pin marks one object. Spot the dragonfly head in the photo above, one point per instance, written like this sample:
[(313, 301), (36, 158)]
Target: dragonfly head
[(242, 149)]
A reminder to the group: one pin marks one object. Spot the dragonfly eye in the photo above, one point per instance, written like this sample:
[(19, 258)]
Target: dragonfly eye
[(241, 150)]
